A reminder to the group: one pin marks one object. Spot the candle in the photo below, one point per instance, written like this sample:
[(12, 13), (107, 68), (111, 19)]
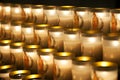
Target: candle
[(27, 9), (91, 44), (105, 70), (101, 19), (111, 48), (18, 74), (33, 77), (6, 11), (5, 30), (5, 51), (5, 70), (56, 33), (33, 61), (115, 20), (46, 55), (16, 31), (72, 41), (51, 15), (66, 16), (84, 17), (38, 14), (29, 33), (16, 50), (63, 61), (41, 31), (16, 12), (82, 68)]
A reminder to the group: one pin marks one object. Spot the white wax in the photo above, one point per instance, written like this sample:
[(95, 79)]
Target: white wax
[(38, 15), (81, 72), (5, 51), (43, 37), (84, 20), (92, 47), (18, 57), (65, 67), (104, 21), (33, 61), (66, 21), (48, 59), (107, 75), (58, 38)]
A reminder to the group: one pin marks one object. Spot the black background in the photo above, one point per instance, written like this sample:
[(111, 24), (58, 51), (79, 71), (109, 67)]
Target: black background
[(81, 3)]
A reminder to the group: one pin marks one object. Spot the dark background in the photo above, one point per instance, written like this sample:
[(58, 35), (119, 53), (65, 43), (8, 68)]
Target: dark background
[(81, 3)]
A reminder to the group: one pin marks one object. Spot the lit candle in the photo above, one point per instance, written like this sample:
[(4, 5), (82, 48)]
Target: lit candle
[(82, 68), (111, 48), (66, 16), (27, 8), (101, 19), (5, 70), (5, 51), (16, 12), (56, 33), (91, 44), (46, 55), (115, 20), (33, 77), (41, 30), (84, 18), (18, 74), (33, 61), (51, 15), (16, 31), (104, 70), (38, 14), (72, 41), (29, 33), (5, 30), (63, 61), (16, 50), (6, 11)]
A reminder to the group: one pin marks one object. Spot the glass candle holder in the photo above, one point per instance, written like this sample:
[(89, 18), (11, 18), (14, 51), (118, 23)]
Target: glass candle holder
[(5, 30), (16, 31), (5, 51), (56, 34), (38, 14), (18, 74), (1, 11), (46, 55), (66, 16), (33, 77), (7, 11), (115, 20), (72, 41), (82, 68), (105, 70), (51, 15), (91, 44), (41, 31), (27, 10), (84, 17), (33, 61), (16, 50), (17, 12), (101, 19), (29, 33), (63, 61), (5, 70), (111, 47)]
